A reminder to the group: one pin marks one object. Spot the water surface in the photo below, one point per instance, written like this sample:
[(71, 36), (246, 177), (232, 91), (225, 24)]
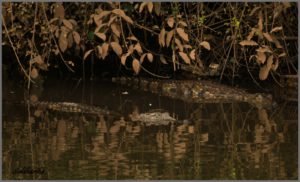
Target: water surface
[(201, 141)]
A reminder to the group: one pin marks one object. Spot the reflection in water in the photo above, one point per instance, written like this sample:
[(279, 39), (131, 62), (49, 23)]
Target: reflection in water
[(203, 141)]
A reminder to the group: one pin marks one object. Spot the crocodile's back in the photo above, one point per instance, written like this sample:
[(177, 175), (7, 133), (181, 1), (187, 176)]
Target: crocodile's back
[(194, 91)]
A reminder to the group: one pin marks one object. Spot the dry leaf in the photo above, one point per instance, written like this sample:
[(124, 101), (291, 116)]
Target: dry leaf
[(68, 24), (76, 37), (99, 48), (261, 57), (150, 7), (101, 36), (87, 53), (143, 4), (163, 59), (185, 58), (115, 29), (34, 73), (132, 38), (275, 66), (264, 71), (260, 20), (136, 66), (157, 6), (105, 47), (179, 45), (182, 23), (169, 37), (59, 11), (276, 29), (116, 47), (268, 37), (38, 59), (103, 14), (123, 59), (142, 58), (193, 54), (205, 44), (63, 41), (248, 43), (182, 34), (99, 27), (251, 34), (123, 15), (187, 46), (150, 57), (282, 54), (264, 49), (161, 37), (131, 49), (254, 10), (70, 40), (138, 48), (111, 20), (171, 22)]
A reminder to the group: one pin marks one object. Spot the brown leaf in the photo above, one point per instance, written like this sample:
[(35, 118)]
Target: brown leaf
[(264, 49), (282, 54), (105, 47), (111, 20), (143, 4), (254, 10), (163, 59), (132, 38), (142, 58), (157, 7), (123, 59), (103, 14), (87, 53), (270, 61), (76, 37), (68, 24), (63, 41), (179, 45), (99, 27), (115, 29), (248, 43), (150, 7), (101, 36), (171, 22), (116, 47), (260, 21), (268, 37), (138, 48), (276, 29), (182, 34), (99, 48), (187, 46), (182, 23), (161, 37), (261, 57), (34, 73), (131, 49), (185, 58), (205, 44), (70, 40), (59, 11), (251, 34), (123, 15), (150, 57), (193, 54), (136, 66), (275, 66), (169, 37), (38, 59), (264, 71)]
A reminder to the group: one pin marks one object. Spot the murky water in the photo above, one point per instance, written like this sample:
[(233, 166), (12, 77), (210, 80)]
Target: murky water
[(153, 138)]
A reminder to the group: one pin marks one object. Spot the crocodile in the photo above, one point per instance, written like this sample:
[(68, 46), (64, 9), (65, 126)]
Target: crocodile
[(71, 107), (196, 91)]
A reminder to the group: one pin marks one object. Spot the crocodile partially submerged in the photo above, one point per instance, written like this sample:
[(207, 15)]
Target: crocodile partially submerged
[(196, 91), (70, 107)]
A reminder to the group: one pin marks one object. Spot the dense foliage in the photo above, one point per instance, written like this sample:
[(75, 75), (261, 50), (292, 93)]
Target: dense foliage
[(230, 38)]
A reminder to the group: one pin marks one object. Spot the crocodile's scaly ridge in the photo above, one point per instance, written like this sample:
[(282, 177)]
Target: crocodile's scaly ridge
[(196, 91)]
